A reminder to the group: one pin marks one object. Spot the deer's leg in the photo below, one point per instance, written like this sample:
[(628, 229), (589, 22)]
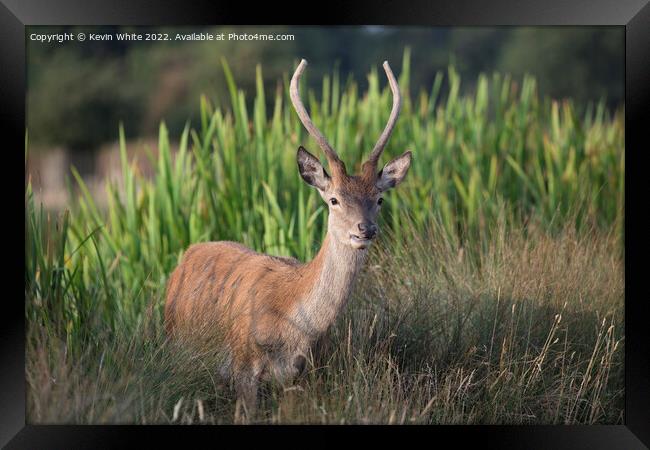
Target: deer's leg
[(246, 387)]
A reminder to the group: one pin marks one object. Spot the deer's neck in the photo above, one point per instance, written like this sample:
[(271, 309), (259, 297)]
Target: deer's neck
[(332, 274)]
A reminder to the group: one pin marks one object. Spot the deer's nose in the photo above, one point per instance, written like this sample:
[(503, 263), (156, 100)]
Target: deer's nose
[(368, 230)]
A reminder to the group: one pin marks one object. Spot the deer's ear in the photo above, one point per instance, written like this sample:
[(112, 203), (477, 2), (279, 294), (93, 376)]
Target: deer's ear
[(312, 171), (394, 172)]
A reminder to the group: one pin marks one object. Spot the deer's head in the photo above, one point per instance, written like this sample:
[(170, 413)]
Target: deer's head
[(353, 200)]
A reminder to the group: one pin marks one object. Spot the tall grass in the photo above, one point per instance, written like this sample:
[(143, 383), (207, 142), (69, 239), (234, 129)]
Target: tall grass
[(495, 295)]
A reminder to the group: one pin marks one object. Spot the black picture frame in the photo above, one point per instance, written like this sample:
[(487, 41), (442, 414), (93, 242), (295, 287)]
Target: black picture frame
[(633, 15)]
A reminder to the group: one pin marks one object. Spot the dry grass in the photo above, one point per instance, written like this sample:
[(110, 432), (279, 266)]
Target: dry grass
[(522, 328)]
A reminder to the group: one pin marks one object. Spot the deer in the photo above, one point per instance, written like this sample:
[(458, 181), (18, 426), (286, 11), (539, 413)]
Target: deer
[(268, 311)]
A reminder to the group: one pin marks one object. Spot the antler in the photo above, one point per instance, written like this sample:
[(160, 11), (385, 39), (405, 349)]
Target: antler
[(371, 164), (332, 158)]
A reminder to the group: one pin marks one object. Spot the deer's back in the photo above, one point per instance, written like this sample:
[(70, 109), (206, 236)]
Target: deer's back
[(227, 288)]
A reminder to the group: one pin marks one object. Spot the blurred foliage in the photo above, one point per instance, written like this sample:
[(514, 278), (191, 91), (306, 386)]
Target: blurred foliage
[(75, 104), (569, 62), (78, 92)]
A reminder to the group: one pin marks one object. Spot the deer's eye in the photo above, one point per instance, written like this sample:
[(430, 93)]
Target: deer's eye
[(334, 201), (380, 201)]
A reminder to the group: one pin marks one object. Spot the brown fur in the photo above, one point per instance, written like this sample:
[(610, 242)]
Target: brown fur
[(228, 278), (228, 296)]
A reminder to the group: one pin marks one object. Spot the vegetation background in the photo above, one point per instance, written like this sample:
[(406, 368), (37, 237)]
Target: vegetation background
[(79, 92), (495, 294)]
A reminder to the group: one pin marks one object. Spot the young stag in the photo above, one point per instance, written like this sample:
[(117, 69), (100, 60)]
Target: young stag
[(267, 311)]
